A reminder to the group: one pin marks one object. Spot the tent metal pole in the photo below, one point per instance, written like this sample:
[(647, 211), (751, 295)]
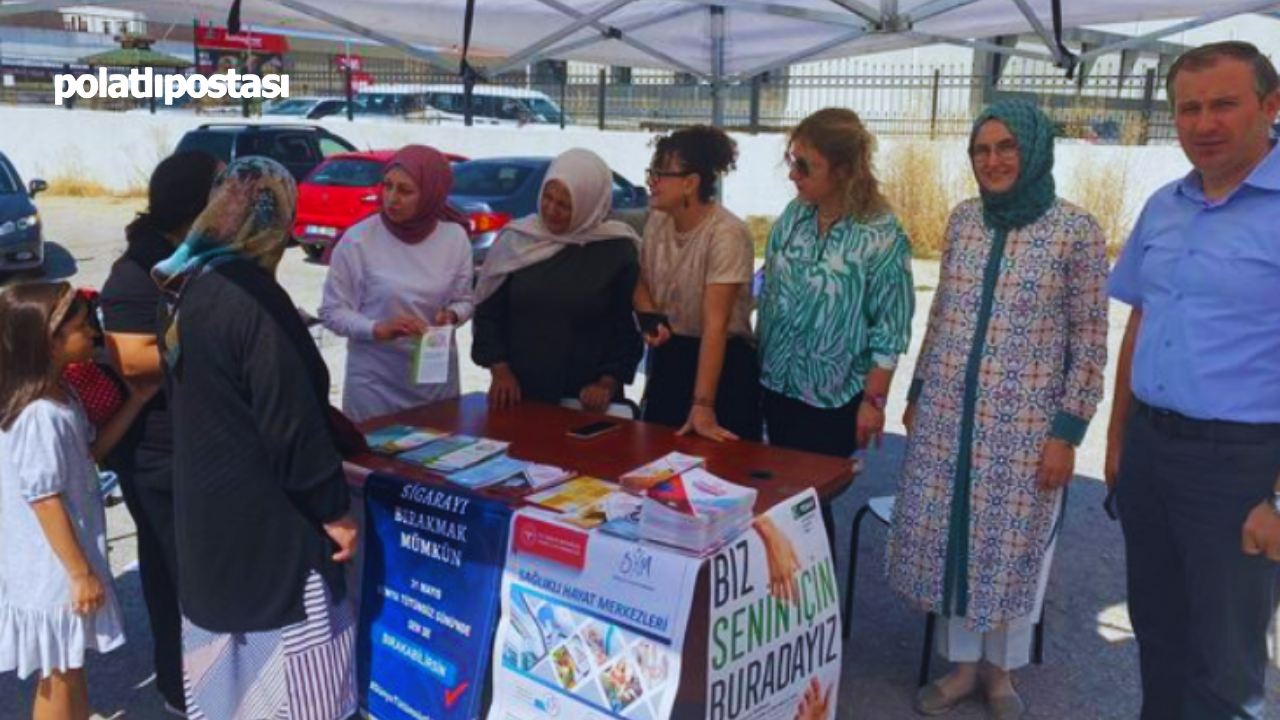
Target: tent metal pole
[(936, 8), (621, 35), (980, 45), (522, 57), (1041, 30), (800, 56), (1139, 41), (717, 66), (864, 11), (362, 31), (788, 11)]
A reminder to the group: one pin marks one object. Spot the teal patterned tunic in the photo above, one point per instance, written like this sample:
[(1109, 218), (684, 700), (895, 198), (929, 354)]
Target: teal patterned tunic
[(833, 306), (1015, 351)]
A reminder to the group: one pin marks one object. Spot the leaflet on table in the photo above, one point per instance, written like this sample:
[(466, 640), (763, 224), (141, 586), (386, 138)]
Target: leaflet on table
[(592, 626), (774, 624), (534, 478), (664, 468), (453, 453), (581, 500), (489, 472), (400, 438), (431, 356), (433, 561)]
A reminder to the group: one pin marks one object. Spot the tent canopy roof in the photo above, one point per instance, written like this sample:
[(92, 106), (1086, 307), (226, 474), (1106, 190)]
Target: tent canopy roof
[(729, 39)]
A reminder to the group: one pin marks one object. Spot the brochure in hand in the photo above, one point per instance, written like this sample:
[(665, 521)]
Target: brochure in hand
[(395, 439)]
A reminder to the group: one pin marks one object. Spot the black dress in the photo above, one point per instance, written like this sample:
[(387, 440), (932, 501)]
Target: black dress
[(563, 323), (143, 459), (256, 471)]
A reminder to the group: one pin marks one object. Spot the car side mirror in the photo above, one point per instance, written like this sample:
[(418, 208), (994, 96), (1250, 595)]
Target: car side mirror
[(35, 187)]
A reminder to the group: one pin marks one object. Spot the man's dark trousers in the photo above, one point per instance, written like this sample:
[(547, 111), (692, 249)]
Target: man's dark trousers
[(1200, 606)]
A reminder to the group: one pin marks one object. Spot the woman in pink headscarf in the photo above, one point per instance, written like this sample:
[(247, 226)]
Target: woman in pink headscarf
[(394, 276)]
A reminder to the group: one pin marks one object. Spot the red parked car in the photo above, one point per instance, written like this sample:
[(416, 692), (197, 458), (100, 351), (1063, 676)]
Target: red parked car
[(340, 192)]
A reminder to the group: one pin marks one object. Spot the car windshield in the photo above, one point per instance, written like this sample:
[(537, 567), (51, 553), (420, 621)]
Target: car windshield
[(489, 179), (288, 107), (545, 108), (348, 173), (217, 144), (8, 180), (389, 103)]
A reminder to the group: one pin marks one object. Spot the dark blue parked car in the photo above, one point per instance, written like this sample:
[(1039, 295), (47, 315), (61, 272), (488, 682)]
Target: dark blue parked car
[(495, 191), (21, 240)]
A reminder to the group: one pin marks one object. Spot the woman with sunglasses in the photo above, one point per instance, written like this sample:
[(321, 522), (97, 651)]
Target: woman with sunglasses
[(694, 298), (835, 311), (1009, 375)]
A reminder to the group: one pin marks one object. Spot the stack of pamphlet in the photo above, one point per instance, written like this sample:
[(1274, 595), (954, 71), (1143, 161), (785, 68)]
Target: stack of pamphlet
[(696, 511), (396, 439), (664, 468), (455, 452)]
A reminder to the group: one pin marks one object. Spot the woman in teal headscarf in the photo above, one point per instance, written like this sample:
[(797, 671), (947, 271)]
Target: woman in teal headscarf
[(1008, 377)]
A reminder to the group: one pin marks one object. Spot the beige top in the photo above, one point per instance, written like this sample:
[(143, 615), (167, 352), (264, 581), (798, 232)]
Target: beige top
[(677, 266)]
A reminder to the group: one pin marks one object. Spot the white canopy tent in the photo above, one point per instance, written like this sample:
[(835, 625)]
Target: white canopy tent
[(718, 41)]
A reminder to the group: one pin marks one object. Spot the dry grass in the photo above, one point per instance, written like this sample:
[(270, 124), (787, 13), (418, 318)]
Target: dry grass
[(922, 192), (759, 226), (1100, 186), (73, 179)]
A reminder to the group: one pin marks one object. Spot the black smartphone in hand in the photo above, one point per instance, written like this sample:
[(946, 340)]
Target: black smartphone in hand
[(649, 322)]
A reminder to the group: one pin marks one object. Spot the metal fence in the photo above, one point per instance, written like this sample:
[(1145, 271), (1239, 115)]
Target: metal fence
[(892, 101), (905, 101)]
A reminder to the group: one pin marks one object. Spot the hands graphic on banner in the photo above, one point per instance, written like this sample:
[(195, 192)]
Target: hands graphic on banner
[(815, 705), (782, 559)]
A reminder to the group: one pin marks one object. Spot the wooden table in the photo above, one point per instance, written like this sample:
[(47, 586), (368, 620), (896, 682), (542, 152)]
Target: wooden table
[(539, 433)]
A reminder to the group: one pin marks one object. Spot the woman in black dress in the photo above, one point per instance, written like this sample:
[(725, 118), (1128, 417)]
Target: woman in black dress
[(554, 318)]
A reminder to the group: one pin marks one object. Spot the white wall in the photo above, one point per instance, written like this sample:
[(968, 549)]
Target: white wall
[(120, 149)]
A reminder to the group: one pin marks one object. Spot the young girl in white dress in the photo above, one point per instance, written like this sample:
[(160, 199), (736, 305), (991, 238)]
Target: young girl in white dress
[(56, 599)]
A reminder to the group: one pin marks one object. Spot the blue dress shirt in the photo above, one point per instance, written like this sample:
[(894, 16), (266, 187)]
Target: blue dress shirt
[(1206, 275)]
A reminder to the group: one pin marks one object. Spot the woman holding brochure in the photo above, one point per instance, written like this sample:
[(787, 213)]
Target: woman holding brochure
[(554, 319), (399, 283)]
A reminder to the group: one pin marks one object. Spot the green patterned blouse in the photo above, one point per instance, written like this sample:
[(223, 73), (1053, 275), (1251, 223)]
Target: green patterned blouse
[(833, 307)]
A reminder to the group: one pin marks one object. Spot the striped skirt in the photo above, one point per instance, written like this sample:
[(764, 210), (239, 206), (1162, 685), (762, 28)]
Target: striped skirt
[(304, 671)]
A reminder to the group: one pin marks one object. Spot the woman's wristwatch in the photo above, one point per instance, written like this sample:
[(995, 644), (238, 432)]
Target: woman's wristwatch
[(875, 400)]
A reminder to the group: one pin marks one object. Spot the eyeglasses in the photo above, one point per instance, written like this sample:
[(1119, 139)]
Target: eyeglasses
[(656, 174), (799, 164), (1003, 150)]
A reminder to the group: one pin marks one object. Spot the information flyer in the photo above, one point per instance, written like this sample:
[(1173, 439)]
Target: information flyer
[(592, 625), (774, 644), (433, 568)]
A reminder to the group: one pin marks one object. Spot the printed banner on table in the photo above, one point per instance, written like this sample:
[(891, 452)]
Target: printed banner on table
[(592, 625), (433, 566), (774, 645)]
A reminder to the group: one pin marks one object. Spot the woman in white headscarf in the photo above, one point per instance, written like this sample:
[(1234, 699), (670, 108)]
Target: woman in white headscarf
[(554, 316)]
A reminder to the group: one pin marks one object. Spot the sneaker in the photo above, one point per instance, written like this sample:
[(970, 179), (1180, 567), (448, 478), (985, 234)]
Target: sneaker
[(174, 711)]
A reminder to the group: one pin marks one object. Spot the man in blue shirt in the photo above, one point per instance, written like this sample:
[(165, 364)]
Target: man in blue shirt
[(1193, 451)]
